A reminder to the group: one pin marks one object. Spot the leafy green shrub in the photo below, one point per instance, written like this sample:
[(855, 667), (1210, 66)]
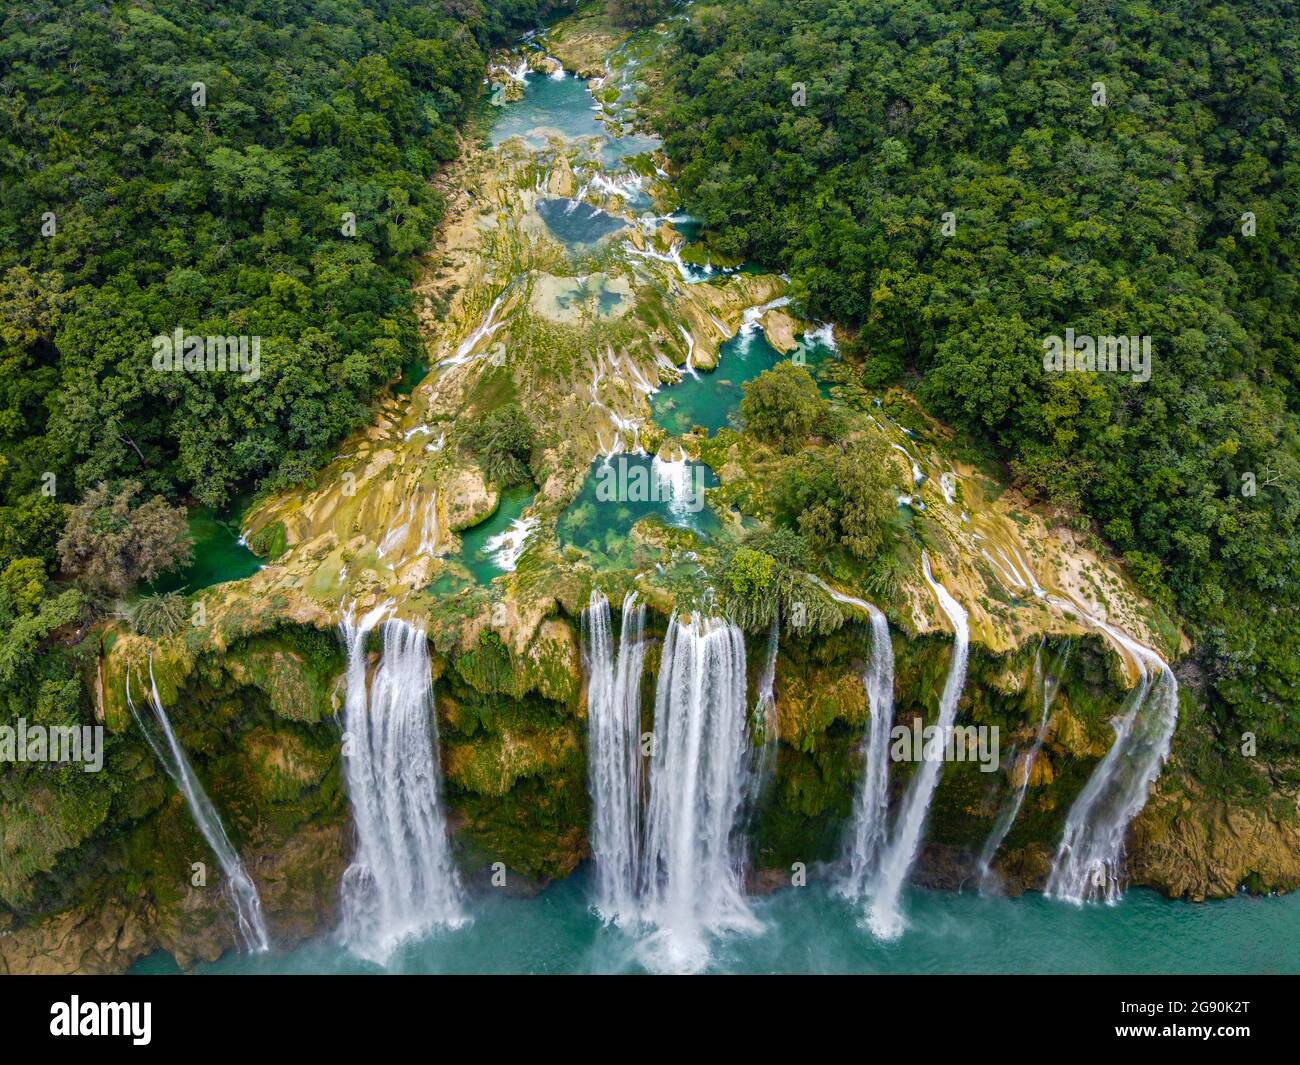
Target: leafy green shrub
[(782, 405), (503, 441), (840, 498), (269, 541)]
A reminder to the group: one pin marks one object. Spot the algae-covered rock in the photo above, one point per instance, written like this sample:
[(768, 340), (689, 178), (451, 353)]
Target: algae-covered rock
[(283, 764), (45, 821), (296, 691), (492, 765), (469, 498), (562, 182), (550, 664), (808, 703)]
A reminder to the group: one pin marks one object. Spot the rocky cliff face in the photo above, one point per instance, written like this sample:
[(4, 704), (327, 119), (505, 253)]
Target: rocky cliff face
[(141, 878), (259, 722)]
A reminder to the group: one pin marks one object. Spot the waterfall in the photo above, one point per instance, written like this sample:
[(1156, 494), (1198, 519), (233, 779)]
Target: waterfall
[(767, 679), (614, 758), (1090, 859), (690, 350), (1047, 684), (243, 893), (401, 881), (677, 483), (429, 526), (485, 331), (691, 866), (883, 917), (507, 547), (872, 804), (765, 723)]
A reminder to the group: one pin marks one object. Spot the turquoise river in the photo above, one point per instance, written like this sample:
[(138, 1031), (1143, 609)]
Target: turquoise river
[(811, 930)]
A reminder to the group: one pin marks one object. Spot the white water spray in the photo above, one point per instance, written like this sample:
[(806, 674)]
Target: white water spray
[(614, 758), (429, 526), (673, 257), (690, 350), (691, 871), (678, 483), (884, 916), (244, 898), (486, 330), (1089, 862), (507, 546), (751, 316), (401, 882), (871, 808), (822, 336)]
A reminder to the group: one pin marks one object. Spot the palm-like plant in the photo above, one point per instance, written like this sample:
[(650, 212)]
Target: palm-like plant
[(158, 615)]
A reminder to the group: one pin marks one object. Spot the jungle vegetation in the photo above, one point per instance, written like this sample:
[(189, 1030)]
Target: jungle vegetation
[(955, 181)]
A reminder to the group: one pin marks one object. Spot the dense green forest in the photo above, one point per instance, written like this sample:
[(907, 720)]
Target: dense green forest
[(954, 181), (957, 180), (255, 168)]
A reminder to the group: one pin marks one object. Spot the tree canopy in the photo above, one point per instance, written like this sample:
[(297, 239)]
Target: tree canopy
[(957, 181), (235, 170)]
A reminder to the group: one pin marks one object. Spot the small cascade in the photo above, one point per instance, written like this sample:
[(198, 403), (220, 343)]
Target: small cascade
[(691, 871), (486, 330), (751, 316), (884, 917), (429, 526), (1089, 862), (506, 547), (673, 256), (401, 881), (244, 898), (396, 535), (627, 186), (822, 336), (871, 807), (765, 724), (1047, 684), (676, 482), (690, 350), (917, 475), (614, 761)]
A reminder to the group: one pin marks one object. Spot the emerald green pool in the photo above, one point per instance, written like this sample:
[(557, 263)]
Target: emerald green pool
[(413, 373), (620, 491), (480, 550), (811, 930), (563, 106), (712, 399), (219, 555)]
